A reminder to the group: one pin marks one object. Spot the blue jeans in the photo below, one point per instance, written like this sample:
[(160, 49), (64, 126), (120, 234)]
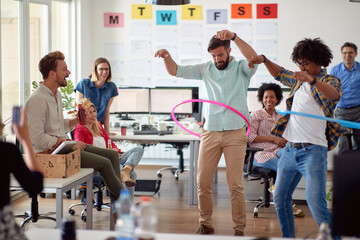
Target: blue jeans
[(271, 163), (310, 162), (132, 157)]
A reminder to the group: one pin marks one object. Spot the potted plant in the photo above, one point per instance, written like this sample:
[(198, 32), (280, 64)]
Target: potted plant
[(66, 93)]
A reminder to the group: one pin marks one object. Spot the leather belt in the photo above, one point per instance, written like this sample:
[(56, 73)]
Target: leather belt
[(299, 145)]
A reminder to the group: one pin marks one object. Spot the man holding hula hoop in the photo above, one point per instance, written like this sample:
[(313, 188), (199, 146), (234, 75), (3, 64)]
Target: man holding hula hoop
[(226, 81)]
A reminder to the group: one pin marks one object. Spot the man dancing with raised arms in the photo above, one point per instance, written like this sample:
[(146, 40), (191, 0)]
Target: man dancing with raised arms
[(313, 91), (226, 81)]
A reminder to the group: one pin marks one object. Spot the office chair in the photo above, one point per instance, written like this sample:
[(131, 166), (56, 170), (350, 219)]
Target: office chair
[(98, 204), (32, 215), (179, 146), (258, 173)]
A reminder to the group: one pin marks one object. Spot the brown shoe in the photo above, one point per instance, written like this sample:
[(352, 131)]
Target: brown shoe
[(125, 176), (238, 233), (205, 230), (297, 211)]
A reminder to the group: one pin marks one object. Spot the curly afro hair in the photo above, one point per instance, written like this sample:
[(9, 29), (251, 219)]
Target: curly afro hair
[(270, 86), (312, 50)]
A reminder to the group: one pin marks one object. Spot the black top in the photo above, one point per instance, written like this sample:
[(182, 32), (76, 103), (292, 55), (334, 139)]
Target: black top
[(12, 162)]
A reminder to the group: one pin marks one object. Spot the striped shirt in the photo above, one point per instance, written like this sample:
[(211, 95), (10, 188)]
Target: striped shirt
[(261, 124), (333, 129)]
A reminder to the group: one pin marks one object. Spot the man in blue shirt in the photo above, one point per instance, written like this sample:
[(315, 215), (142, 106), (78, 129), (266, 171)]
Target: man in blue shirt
[(348, 108), (226, 81)]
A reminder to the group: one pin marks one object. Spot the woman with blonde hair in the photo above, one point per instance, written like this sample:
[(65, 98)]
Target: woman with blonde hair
[(99, 89), (94, 134)]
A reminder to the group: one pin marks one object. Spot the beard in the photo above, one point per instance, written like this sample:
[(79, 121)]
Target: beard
[(224, 65), (61, 82)]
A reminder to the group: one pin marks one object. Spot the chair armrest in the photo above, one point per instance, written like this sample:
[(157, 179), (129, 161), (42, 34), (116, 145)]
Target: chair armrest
[(250, 159)]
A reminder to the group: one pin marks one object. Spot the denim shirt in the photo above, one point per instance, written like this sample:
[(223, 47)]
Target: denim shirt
[(228, 86), (100, 97), (350, 83)]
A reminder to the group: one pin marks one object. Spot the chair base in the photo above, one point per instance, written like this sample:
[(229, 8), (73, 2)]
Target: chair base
[(174, 170), (260, 205), (29, 216)]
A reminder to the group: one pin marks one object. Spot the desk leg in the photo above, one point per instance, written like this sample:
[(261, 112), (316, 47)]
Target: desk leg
[(89, 204), (194, 153), (112, 224), (59, 207)]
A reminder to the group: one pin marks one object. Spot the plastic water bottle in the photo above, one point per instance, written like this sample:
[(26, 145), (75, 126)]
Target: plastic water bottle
[(147, 219), (125, 224)]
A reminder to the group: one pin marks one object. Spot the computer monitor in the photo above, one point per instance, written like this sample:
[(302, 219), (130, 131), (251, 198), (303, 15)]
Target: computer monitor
[(346, 194), (164, 99), (131, 101)]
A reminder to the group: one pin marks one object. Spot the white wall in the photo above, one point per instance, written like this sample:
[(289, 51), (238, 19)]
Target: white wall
[(334, 21)]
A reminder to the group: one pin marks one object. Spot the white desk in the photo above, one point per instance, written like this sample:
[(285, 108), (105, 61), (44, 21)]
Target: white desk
[(54, 234), (62, 185), (186, 138)]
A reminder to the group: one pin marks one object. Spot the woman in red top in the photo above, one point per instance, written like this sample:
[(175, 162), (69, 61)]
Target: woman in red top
[(94, 134)]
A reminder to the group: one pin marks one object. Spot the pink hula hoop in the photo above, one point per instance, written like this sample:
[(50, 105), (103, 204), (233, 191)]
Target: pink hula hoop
[(212, 102)]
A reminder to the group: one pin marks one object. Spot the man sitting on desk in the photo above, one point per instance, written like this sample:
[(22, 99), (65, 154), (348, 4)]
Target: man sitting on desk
[(48, 127), (226, 81)]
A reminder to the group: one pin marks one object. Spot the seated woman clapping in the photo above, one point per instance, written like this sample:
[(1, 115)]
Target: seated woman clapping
[(93, 133)]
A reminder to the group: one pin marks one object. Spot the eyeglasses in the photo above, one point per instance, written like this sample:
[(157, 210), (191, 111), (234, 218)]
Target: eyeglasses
[(104, 69), (304, 64)]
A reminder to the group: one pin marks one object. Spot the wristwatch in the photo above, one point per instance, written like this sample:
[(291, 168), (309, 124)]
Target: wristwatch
[(233, 38)]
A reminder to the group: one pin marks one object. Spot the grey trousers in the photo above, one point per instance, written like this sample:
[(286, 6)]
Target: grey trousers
[(350, 114), (106, 162)]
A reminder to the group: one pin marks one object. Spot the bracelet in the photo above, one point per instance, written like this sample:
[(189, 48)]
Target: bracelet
[(233, 38), (264, 58), (313, 82)]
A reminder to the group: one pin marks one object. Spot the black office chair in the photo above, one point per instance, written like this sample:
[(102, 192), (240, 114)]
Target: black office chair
[(32, 215), (252, 173), (179, 146), (98, 204)]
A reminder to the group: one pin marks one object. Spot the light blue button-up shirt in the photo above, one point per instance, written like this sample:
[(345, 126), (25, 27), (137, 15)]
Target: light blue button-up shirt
[(228, 86), (350, 84)]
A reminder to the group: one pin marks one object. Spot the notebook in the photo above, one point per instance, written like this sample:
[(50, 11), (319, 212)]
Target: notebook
[(64, 148)]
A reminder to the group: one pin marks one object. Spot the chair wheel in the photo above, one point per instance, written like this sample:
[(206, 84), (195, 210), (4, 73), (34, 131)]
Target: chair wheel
[(256, 215), (72, 212), (42, 195), (173, 171), (177, 178), (159, 175), (83, 218)]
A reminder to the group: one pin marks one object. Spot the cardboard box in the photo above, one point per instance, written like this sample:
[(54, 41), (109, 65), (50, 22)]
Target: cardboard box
[(59, 165)]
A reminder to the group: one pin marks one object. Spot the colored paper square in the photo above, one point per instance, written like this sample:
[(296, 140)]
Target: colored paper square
[(191, 12), (217, 16), (141, 11), (266, 10), (241, 11), (113, 19), (165, 17)]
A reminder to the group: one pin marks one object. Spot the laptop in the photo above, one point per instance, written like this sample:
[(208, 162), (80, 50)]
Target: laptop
[(346, 194)]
